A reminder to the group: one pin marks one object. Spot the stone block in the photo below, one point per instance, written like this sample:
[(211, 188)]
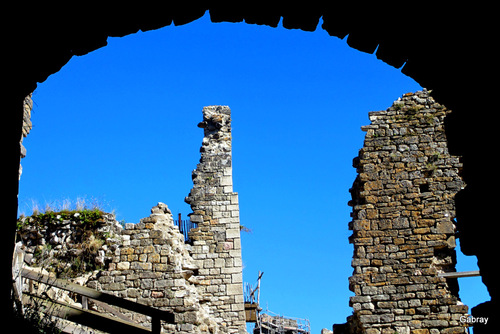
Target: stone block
[(208, 263), (123, 266), (420, 331), (141, 266), (369, 319), (226, 180), (445, 227), (114, 286), (233, 233), (234, 198), (237, 246), (237, 278), (238, 307), (133, 293), (154, 258), (434, 323), (161, 267), (234, 289), (127, 251)]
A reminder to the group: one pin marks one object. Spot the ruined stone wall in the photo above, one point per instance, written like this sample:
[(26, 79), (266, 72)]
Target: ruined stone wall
[(216, 242), (201, 283), (27, 126), (150, 263), (403, 230)]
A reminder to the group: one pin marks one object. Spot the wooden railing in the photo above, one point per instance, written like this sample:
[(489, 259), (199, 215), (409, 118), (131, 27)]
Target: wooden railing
[(83, 316)]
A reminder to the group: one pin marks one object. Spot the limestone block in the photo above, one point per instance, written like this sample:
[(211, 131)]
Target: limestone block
[(234, 289), (233, 233), (123, 266), (154, 258), (237, 278), (226, 180), (141, 266), (237, 307)]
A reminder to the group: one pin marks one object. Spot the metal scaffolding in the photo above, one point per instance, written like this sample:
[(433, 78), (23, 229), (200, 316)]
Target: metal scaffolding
[(268, 322), (272, 323)]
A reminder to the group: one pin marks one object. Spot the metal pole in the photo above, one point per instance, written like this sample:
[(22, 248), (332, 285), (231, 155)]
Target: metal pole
[(180, 223)]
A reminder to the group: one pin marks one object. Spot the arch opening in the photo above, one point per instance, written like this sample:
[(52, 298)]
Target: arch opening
[(284, 146)]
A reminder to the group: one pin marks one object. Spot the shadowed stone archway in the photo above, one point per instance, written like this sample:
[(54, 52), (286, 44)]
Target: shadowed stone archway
[(447, 50)]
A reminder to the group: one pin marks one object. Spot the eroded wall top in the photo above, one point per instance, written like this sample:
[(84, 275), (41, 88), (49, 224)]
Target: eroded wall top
[(403, 223)]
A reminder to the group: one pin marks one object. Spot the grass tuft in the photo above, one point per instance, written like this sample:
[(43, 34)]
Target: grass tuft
[(65, 205)]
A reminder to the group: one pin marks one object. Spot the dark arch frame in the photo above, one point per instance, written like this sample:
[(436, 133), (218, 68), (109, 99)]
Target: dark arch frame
[(447, 50)]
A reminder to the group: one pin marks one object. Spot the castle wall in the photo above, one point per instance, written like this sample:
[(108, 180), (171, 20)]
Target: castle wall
[(202, 282), (403, 223), (216, 242), (151, 265), (150, 262), (27, 126)]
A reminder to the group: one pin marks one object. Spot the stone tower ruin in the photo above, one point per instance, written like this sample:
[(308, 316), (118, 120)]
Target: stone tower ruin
[(403, 223), (216, 241)]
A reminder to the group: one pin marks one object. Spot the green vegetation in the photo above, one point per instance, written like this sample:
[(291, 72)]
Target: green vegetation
[(85, 217), (398, 105), (72, 238)]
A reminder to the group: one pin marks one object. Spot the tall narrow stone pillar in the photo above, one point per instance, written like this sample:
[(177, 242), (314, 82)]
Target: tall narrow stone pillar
[(403, 223), (216, 241)]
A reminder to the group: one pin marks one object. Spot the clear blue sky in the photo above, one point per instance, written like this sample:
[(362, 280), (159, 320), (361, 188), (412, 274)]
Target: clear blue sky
[(119, 125)]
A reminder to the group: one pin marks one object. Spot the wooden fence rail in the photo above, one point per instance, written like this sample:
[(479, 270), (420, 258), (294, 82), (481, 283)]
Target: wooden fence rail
[(90, 318)]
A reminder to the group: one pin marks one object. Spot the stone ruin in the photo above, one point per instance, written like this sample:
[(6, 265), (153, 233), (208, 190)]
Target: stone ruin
[(150, 262), (403, 223), (27, 126), (216, 242)]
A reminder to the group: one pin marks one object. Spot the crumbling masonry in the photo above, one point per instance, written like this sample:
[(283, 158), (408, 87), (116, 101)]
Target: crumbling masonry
[(27, 107), (403, 234), (150, 263), (202, 282), (216, 241), (403, 223)]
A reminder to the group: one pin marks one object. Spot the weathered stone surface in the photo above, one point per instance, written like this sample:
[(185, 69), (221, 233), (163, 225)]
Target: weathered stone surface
[(150, 263), (215, 209), (27, 126), (403, 222), (157, 273)]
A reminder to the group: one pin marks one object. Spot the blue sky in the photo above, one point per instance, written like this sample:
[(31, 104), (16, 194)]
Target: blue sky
[(119, 125)]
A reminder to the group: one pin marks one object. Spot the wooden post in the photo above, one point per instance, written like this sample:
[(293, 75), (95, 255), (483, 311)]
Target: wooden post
[(85, 303), (17, 266), (258, 286)]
